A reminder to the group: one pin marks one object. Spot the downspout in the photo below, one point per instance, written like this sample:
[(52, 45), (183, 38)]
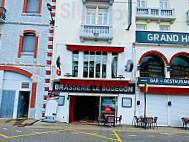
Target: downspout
[(130, 14)]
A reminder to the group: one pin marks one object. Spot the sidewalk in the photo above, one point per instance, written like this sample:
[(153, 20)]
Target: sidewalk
[(60, 125)]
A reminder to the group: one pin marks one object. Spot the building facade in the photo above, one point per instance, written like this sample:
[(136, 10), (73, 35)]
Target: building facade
[(91, 49), (24, 34), (162, 59)]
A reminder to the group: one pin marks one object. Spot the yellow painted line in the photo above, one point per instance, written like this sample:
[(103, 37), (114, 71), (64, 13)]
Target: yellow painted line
[(153, 132), (100, 136), (32, 134), (118, 138), (3, 136)]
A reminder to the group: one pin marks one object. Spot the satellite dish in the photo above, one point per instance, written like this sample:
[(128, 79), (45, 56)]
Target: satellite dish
[(129, 66)]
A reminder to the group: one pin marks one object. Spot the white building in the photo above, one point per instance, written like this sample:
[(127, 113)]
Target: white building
[(162, 57), (93, 45)]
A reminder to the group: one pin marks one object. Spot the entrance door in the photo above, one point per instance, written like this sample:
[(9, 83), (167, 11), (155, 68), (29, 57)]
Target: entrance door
[(85, 108), (7, 103), (23, 104)]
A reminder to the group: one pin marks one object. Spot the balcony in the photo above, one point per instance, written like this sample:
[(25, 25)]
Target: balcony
[(96, 32), (2, 14), (156, 14)]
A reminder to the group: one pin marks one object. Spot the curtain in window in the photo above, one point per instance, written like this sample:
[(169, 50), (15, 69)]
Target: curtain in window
[(32, 6), (29, 43), (114, 65)]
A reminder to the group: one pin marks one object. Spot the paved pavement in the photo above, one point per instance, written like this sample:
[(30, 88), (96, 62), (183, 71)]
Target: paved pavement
[(31, 130)]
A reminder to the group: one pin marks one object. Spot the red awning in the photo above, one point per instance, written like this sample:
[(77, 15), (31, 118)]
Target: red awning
[(93, 82), (166, 90), (95, 48)]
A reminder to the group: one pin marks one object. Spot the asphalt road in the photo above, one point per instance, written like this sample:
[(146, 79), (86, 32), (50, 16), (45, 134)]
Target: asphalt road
[(32, 134)]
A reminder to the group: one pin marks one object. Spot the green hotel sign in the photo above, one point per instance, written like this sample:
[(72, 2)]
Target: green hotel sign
[(162, 37), (165, 81)]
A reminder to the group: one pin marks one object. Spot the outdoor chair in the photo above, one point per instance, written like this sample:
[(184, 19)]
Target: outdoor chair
[(154, 122), (118, 119), (137, 121), (185, 122), (111, 120), (149, 122), (100, 120)]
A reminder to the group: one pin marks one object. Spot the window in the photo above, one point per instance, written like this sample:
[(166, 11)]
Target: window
[(94, 65), (32, 6), (152, 66), (29, 42), (163, 4), (61, 100), (97, 15), (140, 27), (141, 3), (75, 63), (114, 64), (127, 102), (180, 67), (164, 28)]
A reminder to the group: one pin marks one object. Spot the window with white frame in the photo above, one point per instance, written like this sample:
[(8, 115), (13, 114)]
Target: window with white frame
[(94, 64), (114, 64), (140, 27), (141, 3), (163, 4), (75, 61), (164, 28), (29, 42), (97, 15)]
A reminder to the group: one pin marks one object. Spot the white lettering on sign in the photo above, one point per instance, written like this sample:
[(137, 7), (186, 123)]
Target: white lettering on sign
[(166, 37)]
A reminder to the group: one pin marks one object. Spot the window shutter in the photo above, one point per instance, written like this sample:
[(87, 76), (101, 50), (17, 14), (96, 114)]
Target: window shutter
[(29, 43), (32, 6)]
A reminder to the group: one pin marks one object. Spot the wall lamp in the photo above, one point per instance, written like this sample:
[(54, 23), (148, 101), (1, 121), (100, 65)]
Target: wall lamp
[(49, 7)]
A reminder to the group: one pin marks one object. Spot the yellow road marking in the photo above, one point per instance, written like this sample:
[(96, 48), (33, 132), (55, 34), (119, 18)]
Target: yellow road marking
[(118, 138), (32, 134)]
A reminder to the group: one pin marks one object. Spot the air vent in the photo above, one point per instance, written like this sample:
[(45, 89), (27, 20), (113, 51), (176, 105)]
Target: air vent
[(25, 84)]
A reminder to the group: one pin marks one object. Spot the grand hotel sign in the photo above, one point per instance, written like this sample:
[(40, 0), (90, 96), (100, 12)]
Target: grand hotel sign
[(162, 37)]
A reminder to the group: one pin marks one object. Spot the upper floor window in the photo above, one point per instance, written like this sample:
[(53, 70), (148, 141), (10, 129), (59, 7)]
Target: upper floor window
[(140, 27), (152, 66), (29, 42), (180, 67), (164, 28), (75, 61), (163, 4), (32, 6), (97, 15), (114, 64), (94, 64), (141, 3)]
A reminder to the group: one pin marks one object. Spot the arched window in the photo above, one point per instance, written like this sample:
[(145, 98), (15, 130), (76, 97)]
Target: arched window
[(180, 67), (152, 66)]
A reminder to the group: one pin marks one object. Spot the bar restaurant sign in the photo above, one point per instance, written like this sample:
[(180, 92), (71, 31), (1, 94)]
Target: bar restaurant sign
[(95, 88), (162, 37), (166, 81)]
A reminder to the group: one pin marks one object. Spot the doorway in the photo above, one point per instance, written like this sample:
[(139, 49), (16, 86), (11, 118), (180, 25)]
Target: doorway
[(23, 104), (84, 108)]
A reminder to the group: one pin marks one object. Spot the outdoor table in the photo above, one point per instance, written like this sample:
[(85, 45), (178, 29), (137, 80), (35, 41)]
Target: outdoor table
[(149, 120), (112, 121)]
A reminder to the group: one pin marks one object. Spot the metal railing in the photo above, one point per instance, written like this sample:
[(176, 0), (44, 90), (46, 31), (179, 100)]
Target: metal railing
[(155, 11), (90, 31), (2, 13)]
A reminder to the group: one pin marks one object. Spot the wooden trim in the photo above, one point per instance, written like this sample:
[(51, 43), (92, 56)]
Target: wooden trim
[(33, 95), (40, 6), (3, 3), (25, 6), (20, 46), (29, 31), (36, 47)]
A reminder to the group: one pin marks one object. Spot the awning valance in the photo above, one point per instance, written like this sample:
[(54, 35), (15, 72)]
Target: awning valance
[(95, 48)]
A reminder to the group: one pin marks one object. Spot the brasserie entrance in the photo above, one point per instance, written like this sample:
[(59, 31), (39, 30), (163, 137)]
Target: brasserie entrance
[(89, 108)]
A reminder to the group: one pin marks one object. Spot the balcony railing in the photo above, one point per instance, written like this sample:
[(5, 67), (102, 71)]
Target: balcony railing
[(96, 32), (2, 14), (156, 14)]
